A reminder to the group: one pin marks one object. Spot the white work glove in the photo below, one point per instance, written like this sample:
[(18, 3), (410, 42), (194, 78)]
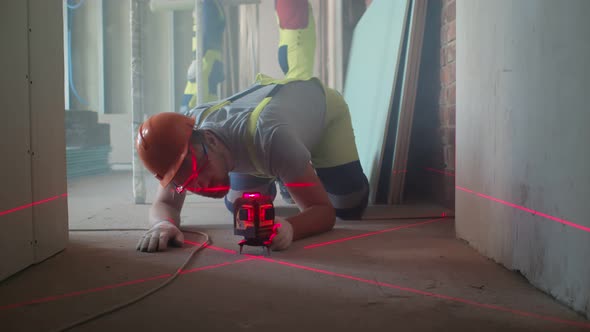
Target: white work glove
[(158, 237), (282, 235)]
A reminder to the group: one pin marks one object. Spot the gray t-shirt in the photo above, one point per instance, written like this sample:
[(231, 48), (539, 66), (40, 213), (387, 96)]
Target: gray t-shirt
[(288, 128)]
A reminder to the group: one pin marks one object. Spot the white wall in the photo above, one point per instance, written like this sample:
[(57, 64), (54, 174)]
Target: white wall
[(16, 251), (523, 110), (32, 134)]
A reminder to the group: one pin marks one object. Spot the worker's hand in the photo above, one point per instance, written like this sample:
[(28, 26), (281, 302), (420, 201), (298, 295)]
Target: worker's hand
[(159, 236), (282, 235)]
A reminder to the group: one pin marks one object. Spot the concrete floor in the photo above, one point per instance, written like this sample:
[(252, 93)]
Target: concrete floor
[(378, 275)]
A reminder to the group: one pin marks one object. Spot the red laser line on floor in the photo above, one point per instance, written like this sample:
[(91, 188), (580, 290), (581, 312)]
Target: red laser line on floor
[(26, 206), (430, 169), (371, 233), (525, 209), (123, 284), (211, 247), (434, 295), (209, 267)]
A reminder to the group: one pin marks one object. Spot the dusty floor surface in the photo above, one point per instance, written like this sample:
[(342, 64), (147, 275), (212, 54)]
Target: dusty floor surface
[(370, 275)]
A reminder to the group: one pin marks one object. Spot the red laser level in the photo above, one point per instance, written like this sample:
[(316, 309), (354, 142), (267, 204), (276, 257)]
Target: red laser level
[(254, 218)]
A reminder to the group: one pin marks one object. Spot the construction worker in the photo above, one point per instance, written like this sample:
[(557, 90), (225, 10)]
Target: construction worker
[(297, 43), (213, 20), (295, 130)]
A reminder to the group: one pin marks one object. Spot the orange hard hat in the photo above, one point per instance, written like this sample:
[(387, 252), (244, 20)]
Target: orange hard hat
[(162, 143)]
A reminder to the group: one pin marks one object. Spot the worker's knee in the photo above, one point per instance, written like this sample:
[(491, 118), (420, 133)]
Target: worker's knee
[(355, 213), (348, 189)]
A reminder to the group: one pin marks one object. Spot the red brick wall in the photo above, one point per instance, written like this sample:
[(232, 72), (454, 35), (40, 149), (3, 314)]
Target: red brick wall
[(447, 96)]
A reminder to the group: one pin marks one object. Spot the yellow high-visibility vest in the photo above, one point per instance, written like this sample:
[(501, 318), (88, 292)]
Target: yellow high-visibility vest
[(262, 80)]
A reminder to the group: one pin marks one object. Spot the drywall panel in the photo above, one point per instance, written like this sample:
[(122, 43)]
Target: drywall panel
[(117, 60), (183, 54), (156, 46), (408, 101), (84, 56), (371, 73), (117, 76), (523, 78), (46, 55), (16, 237)]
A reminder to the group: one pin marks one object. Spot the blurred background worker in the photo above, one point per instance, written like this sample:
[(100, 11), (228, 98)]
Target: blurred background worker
[(297, 43), (213, 20), (297, 38)]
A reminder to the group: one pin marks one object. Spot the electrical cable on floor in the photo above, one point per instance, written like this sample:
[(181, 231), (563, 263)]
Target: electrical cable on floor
[(205, 243)]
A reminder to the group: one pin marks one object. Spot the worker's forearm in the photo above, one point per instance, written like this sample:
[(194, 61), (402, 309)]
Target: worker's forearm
[(162, 211), (314, 220)]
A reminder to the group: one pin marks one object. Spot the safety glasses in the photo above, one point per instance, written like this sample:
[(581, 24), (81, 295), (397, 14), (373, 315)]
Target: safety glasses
[(194, 171)]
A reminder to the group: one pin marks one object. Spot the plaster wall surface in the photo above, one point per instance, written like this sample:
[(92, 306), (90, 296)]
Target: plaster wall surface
[(523, 77)]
